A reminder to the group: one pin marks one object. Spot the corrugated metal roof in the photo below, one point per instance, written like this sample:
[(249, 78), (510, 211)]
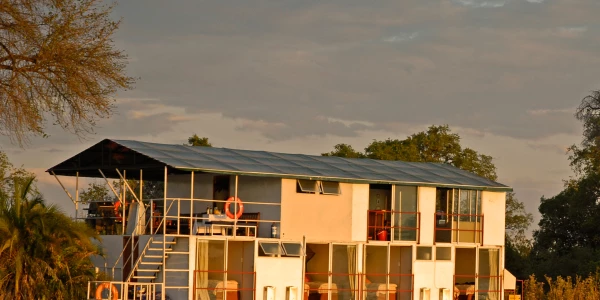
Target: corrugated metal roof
[(262, 163)]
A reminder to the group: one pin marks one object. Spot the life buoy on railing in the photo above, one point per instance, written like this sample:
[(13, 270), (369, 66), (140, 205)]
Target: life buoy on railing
[(113, 291), (240, 210)]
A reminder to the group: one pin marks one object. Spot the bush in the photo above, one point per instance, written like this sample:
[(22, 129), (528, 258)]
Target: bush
[(563, 289)]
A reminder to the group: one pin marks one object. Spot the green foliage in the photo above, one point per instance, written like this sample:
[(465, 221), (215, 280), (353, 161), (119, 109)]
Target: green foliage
[(567, 240), (585, 159), (517, 221), (43, 253), (344, 150), (95, 192), (195, 140), (517, 260)]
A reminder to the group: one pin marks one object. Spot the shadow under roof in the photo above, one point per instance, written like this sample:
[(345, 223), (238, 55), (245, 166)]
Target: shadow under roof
[(152, 158)]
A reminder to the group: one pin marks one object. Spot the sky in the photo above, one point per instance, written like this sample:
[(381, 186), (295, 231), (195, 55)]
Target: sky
[(302, 76)]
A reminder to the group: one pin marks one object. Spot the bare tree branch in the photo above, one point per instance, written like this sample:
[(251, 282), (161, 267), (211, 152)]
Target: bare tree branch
[(57, 62)]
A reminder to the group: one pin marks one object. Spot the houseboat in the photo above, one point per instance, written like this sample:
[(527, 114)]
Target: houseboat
[(237, 224)]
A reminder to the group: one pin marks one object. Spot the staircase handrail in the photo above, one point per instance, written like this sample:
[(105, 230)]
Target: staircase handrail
[(137, 222), (139, 259)]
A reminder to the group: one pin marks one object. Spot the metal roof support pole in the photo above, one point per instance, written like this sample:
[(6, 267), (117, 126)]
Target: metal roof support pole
[(141, 186), (110, 185), (235, 207), (64, 189), (123, 203), (127, 184), (76, 194), (164, 259), (191, 222), (137, 225)]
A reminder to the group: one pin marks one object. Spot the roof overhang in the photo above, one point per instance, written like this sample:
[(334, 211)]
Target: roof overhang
[(109, 156)]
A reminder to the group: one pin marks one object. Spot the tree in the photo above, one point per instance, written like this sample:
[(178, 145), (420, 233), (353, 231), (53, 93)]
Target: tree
[(567, 240), (43, 253), (517, 244), (344, 150), (585, 159), (517, 221), (437, 144), (195, 140), (57, 61), (95, 192)]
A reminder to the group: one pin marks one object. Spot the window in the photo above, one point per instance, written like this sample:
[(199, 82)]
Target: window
[(285, 249), (465, 204), (321, 187), (443, 253), (291, 248), (329, 187), (269, 249), (307, 186), (423, 253)]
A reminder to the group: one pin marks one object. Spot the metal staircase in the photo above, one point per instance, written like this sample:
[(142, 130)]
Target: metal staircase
[(164, 260), (152, 258)]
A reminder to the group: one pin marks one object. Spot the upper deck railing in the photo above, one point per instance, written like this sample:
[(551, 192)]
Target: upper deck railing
[(185, 216)]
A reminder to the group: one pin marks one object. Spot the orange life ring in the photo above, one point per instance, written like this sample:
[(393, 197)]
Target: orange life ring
[(113, 290), (239, 212)]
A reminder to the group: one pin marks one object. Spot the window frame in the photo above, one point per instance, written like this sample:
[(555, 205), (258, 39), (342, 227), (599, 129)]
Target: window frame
[(285, 250), (267, 254), (303, 188), (322, 190)]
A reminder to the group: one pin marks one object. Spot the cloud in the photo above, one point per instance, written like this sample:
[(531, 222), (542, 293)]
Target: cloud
[(480, 3), (556, 148), (571, 32), (547, 111), (321, 60), (307, 126), (401, 37)]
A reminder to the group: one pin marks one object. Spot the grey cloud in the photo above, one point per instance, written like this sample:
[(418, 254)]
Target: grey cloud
[(401, 37), (286, 63), (302, 126), (480, 3)]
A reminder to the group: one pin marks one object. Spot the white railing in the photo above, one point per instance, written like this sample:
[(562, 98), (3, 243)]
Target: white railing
[(123, 290)]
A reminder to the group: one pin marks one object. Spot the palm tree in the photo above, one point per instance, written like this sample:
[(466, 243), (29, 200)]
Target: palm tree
[(43, 253)]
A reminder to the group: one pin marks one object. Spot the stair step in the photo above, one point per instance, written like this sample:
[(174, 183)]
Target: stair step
[(167, 242), (144, 277), (153, 256), (158, 263), (148, 270), (177, 270), (160, 249)]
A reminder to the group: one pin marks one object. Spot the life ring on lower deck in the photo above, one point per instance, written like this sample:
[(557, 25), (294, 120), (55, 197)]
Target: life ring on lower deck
[(113, 291), (239, 212)]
